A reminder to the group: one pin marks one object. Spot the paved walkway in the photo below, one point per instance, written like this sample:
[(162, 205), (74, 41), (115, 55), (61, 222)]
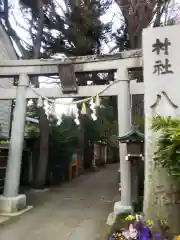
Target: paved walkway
[(75, 211)]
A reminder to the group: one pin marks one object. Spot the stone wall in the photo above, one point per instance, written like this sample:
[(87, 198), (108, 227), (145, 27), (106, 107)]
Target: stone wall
[(7, 52)]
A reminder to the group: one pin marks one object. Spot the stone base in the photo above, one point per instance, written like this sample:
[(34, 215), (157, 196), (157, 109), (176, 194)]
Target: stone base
[(115, 220), (15, 214), (119, 209), (34, 190), (12, 204)]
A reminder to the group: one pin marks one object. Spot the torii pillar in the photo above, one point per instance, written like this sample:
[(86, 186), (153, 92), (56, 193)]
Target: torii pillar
[(11, 201), (124, 126)]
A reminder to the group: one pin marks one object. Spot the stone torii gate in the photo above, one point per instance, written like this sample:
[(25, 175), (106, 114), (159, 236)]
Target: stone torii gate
[(11, 201)]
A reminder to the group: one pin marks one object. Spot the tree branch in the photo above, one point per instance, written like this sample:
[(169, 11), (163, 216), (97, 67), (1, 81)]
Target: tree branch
[(12, 33)]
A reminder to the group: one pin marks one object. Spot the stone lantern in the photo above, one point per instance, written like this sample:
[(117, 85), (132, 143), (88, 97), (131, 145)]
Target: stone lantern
[(135, 154)]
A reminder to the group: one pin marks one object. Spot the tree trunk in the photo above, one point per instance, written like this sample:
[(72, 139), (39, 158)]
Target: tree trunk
[(86, 149), (41, 174), (42, 164)]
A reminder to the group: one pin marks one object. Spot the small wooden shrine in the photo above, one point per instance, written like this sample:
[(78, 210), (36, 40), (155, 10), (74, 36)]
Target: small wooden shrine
[(135, 144), (135, 154)]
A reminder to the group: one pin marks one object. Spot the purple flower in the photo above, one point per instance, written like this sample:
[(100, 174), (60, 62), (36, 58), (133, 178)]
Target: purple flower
[(111, 237), (158, 235), (145, 233)]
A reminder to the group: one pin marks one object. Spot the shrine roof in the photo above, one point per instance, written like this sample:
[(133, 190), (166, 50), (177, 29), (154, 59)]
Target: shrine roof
[(133, 133)]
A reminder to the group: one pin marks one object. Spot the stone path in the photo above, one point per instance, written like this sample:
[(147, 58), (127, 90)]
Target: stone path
[(75, 211)]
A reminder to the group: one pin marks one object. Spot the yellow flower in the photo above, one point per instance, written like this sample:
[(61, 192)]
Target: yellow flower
[(150, 223), (178, 237), (130, 218), (117, 235), (163, 222)]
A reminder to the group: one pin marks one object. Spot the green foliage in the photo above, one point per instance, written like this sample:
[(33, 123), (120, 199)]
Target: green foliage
[(32, 110), (4, 142), (67, 131), (65, 138), (78, 31), (107, 120), (167, 154), (32, 129), (106, 124)]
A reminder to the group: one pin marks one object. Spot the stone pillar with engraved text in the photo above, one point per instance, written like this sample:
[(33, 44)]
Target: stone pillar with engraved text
[(161, 52)]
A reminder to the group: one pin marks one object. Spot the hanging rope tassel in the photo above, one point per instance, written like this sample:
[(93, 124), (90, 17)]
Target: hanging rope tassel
[(97, 102), (83, 109), (40, 102), (53, 108)]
